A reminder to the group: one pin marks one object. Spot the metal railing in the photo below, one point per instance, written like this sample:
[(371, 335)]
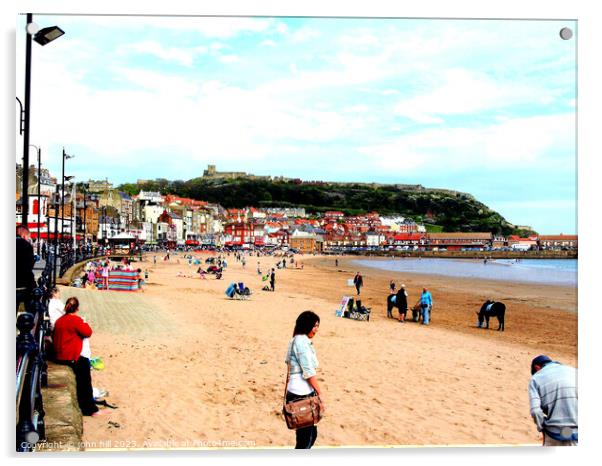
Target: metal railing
[(31, 369), (69, 257)]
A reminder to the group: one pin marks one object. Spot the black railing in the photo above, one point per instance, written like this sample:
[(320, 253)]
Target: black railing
[(31, 370), (69, 257)]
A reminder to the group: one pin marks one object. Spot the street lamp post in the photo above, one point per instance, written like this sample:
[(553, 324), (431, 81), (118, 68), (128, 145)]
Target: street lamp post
[(42, 37), (74, 217), (39, 203), (85, 189), (65, 178), (104, 222), (25, 187), (56, 231)]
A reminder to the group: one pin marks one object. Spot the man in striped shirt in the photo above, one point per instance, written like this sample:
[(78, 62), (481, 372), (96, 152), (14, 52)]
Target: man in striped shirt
[(553, 400)]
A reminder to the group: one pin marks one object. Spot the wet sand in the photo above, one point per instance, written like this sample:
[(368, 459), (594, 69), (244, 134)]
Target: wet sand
[(190, 368)]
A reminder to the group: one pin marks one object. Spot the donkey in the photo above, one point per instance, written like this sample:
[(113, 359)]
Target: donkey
[(492, 309)]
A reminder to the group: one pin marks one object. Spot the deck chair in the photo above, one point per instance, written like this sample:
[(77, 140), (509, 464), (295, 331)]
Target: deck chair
[(230, 291), (343, 306)]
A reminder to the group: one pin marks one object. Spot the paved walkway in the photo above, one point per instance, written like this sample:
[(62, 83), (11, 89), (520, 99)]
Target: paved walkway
[(118, 312)]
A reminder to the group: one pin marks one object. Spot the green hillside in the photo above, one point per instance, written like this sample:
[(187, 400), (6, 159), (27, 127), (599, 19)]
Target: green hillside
[(445, 210)]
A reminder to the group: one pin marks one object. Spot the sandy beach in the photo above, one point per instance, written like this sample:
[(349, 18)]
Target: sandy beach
[(188, 367)]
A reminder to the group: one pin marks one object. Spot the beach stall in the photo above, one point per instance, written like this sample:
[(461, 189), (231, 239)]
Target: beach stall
[(122, 245)]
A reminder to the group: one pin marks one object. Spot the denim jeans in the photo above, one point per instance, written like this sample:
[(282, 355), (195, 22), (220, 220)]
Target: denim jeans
[(305, 437), (426, 310)]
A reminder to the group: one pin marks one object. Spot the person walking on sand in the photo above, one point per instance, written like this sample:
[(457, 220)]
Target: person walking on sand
[(401, 301), (426, 304), (358, 281), (553, 401), (302, 364), (273, 280), (392, 287)]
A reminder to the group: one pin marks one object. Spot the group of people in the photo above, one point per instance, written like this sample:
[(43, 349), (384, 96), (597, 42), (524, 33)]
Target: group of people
[(399, 299), (552, 387), (96, 273)]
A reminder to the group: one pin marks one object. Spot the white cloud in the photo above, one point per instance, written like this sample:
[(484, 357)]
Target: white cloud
[(230, 59), (182, 56), (524, 143), (356, 109), (360, 39), (267, 43), (218, 27), (204, 120), (160, 83), (305, 34), (465, 92)]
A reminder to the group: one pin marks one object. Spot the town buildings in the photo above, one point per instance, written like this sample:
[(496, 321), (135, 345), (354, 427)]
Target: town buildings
[(98, 212)]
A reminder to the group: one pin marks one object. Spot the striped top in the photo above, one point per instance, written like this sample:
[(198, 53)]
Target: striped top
[(553, 397)]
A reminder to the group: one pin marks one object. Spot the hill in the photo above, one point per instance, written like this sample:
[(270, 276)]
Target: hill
[(451, 210)]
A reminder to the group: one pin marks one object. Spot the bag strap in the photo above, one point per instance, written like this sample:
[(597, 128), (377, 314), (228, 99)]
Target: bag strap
[(288, 369)]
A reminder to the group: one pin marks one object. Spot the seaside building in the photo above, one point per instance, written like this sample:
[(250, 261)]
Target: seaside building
[(522, 244), (175, 227), (458, 240), (558, 241), (306, 243), (408, 240)]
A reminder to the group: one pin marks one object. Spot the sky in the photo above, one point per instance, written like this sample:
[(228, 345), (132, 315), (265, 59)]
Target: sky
[(486, 107)]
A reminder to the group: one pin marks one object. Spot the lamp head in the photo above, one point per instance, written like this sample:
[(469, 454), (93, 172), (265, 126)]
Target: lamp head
[(46, 35)]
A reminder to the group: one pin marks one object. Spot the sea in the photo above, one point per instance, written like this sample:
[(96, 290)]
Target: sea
[(541, 271)]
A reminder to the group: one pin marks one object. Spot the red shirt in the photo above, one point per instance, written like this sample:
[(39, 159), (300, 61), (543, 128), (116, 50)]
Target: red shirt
[(69, 331)]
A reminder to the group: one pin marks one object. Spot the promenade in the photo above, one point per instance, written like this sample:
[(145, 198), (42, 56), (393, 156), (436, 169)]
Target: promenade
[(120, 313)]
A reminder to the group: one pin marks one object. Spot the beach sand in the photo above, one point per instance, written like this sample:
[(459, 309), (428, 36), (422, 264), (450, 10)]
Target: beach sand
[(188, 367)]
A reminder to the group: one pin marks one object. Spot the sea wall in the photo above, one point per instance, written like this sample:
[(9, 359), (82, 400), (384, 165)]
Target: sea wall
[(63, 420), (473, 254)]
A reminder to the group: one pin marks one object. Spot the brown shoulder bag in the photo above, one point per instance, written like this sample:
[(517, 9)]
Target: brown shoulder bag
[(301, 413)]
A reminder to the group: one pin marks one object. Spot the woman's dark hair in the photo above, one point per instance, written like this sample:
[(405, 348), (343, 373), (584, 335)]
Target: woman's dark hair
[(305, 323), (54, 290), (72, 305)]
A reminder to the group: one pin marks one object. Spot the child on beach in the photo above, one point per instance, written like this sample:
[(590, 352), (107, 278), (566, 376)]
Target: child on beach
[(140, 280)]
